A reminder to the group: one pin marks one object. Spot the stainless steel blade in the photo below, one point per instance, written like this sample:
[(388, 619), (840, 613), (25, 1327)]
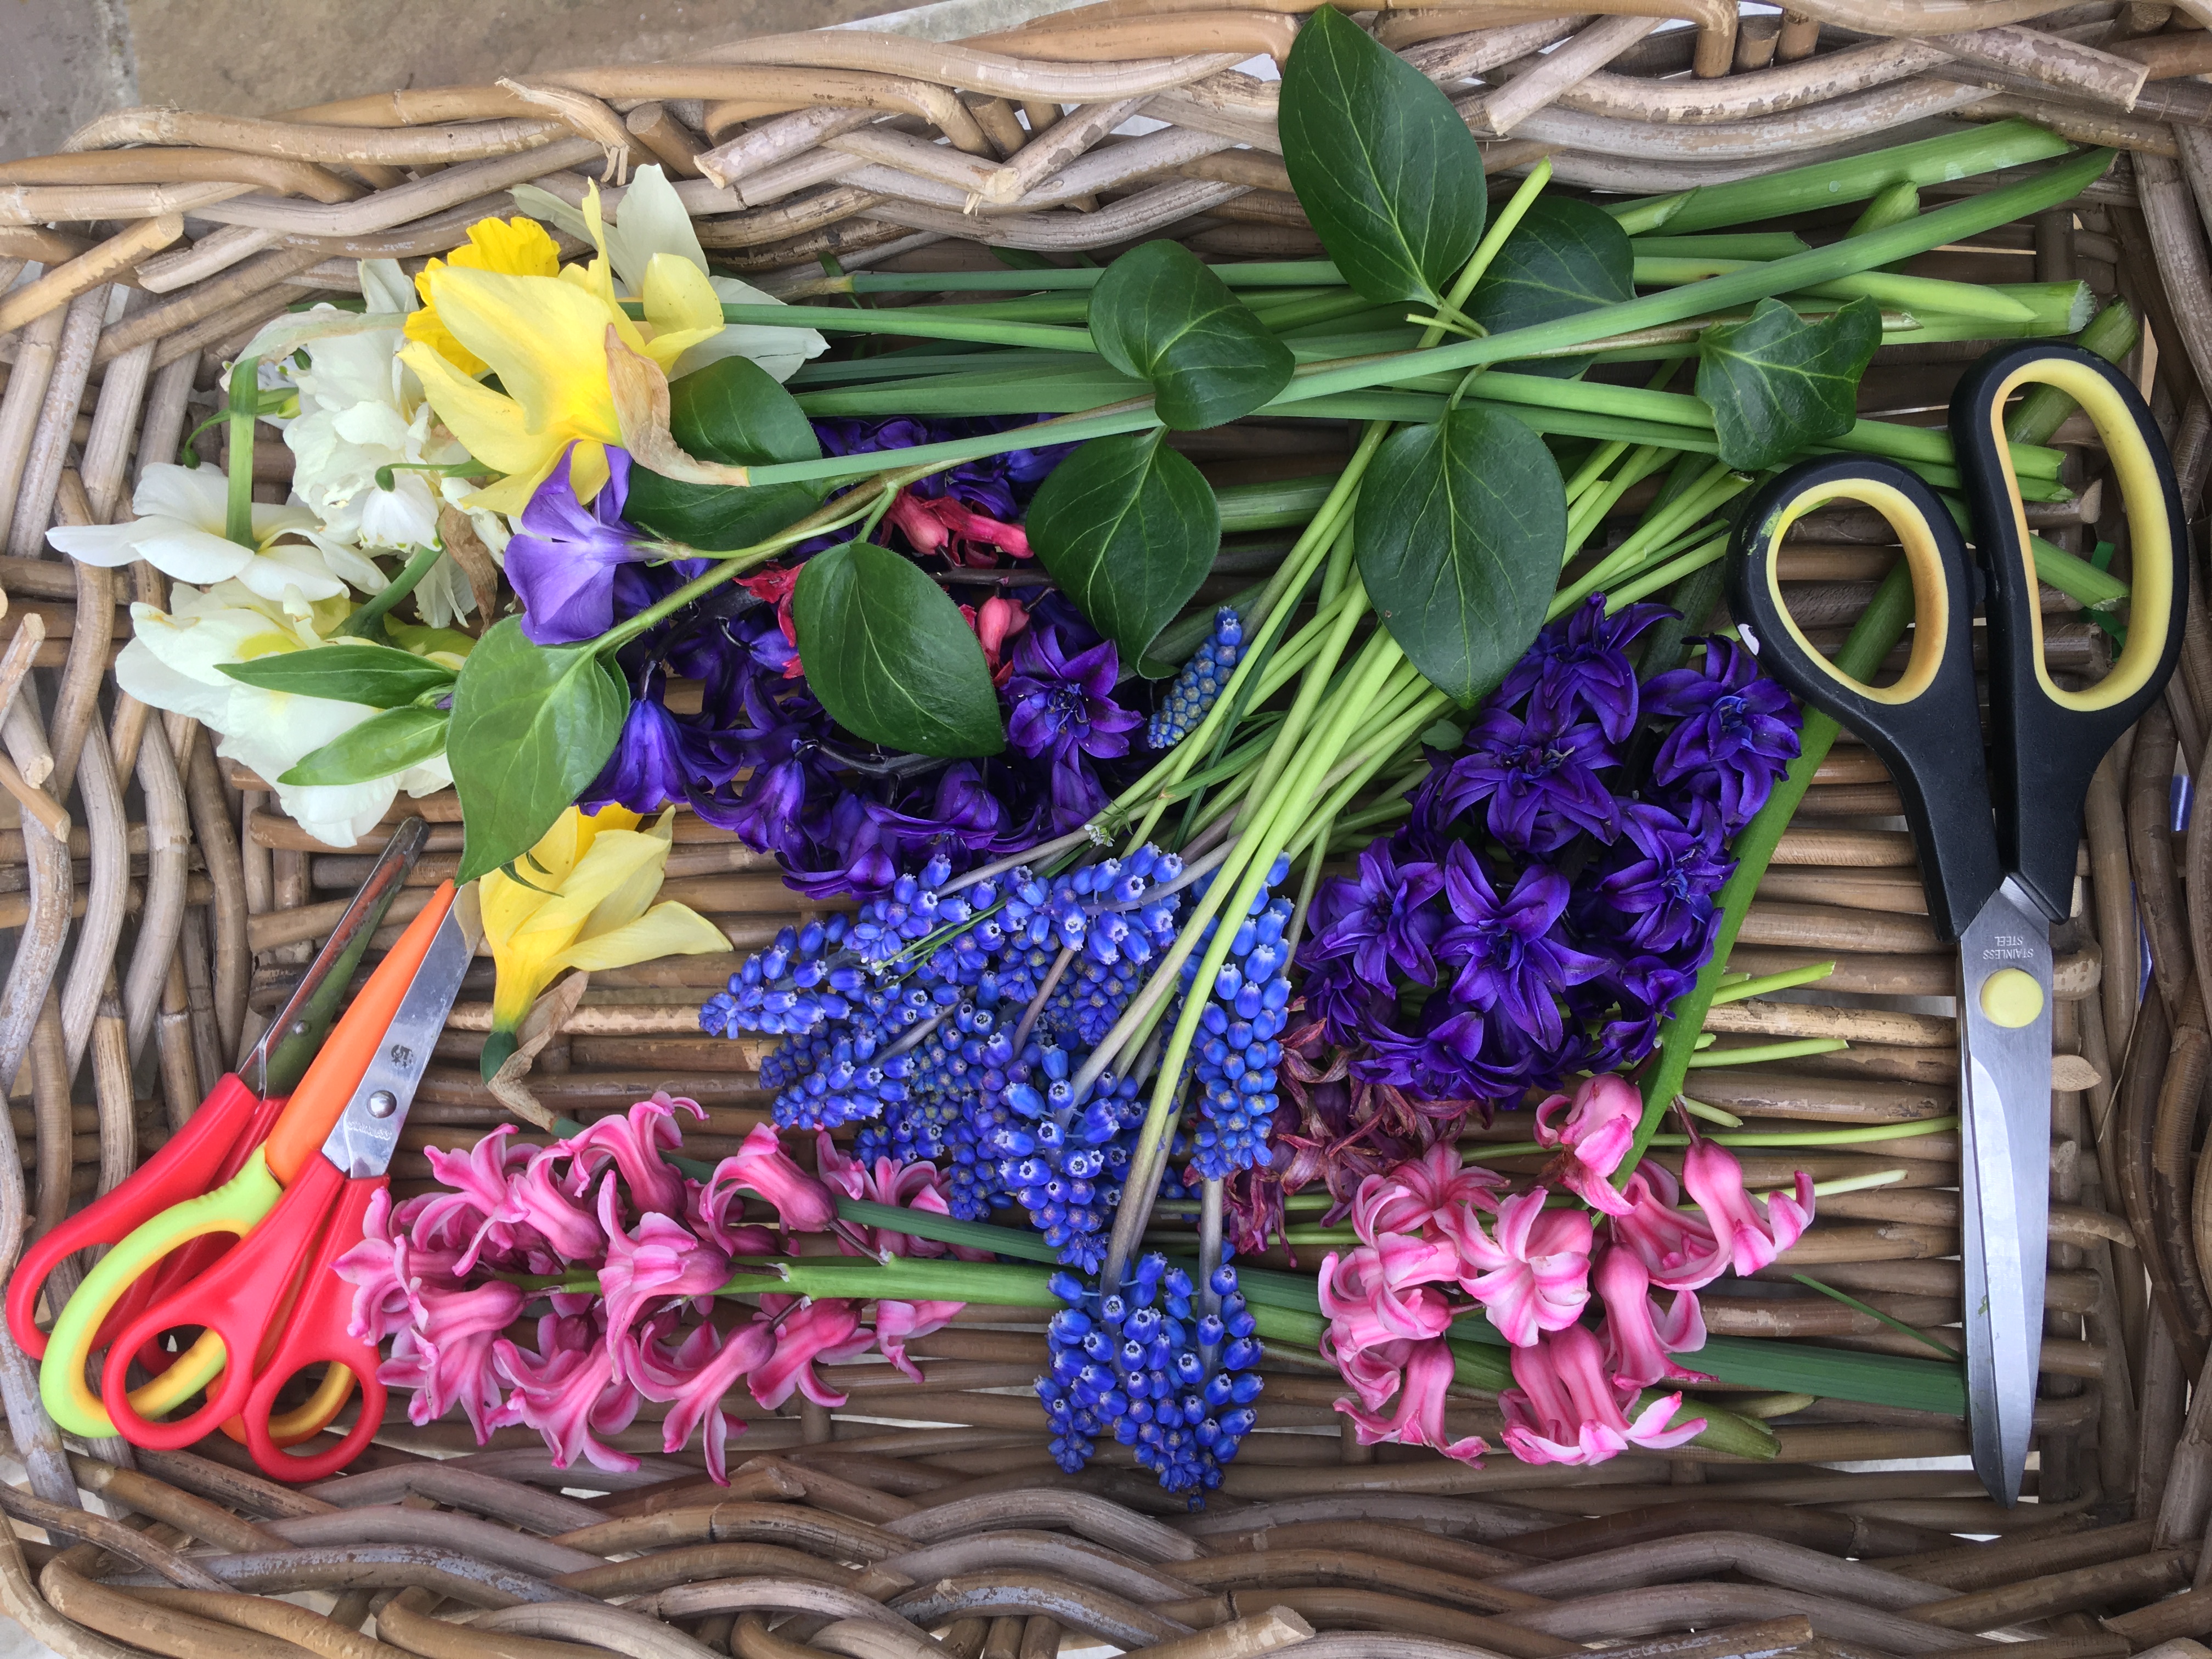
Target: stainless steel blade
[(2005, 1098), (363, 1141)]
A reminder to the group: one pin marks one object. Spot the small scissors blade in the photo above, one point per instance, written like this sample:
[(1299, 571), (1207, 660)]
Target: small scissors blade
[(2004, 1043), (276, 1063), (367, 1134)]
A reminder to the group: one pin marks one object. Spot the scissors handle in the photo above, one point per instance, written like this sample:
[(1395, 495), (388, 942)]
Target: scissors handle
[(316, 1333), (1927, 725), (191, 1163), (2046, 741), (238, 1303)]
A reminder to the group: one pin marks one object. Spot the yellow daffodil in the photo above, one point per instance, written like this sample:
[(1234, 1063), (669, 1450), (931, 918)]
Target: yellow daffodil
[(585, 900), (547, 338), (517, 246)]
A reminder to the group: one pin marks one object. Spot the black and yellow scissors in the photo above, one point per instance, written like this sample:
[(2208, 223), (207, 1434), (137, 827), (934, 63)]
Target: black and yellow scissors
[(1996, 833)]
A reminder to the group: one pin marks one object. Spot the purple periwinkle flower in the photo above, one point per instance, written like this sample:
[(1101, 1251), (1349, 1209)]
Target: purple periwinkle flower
[(1735, 731), (564, 556)]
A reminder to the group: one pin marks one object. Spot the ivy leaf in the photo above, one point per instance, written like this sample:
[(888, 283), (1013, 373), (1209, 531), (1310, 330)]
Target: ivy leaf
[(1381, 162), (1459, 532), (1776, 382), (1564, 257), (733, 411), (1128, 528), (380, 745), (891, 657), (532, 725), (1161, 315), (376, 675)]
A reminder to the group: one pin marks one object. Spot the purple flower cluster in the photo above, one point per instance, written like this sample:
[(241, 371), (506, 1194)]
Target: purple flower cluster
[(1551, 892)]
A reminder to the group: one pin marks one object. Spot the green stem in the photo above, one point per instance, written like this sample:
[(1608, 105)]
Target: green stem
[(244, 406), (367, 622)]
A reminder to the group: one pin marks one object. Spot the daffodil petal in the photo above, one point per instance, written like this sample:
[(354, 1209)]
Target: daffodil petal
[(491, 427), (666, 930), (104, 544), (190, 555), (614, 857), (545, 338), (651, 220), (196, 494), (588, 471)]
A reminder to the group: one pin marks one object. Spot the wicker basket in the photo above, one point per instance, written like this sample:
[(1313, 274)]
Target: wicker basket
[(159, 906)]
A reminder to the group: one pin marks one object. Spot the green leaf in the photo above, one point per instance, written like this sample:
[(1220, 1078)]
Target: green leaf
[(532, 725), (1564, 257), (376, 675), (380, 745), (1777, 383), (1128, 528), (1382, 163), (732, 410), (891, 657), (1459, 532), (1159, 315)]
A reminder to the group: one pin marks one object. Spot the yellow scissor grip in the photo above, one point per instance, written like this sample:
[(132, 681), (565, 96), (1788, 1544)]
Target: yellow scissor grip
[(2151, 546), (1931, 594), (235, 1207)]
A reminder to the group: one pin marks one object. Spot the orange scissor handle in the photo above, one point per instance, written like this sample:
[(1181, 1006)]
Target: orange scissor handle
[(337, 1071)]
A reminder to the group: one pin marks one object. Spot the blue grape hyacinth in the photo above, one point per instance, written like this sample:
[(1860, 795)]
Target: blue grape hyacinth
[(1196, 688), (1238, 1045)]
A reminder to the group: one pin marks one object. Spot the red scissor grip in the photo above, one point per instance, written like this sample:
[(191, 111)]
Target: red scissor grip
[(184, 1168), (239, 1299), (315, 1334)]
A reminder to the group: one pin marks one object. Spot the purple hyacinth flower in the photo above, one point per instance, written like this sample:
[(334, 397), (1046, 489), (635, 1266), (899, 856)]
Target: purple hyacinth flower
[(1735, 731), (1505, 950), (659, 759), (1383, 919), (1664, 896), (1541, 782), (564, 555), (1061, 703), (1580, 665)]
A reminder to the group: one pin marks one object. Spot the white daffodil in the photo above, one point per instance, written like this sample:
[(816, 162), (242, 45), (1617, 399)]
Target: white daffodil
[(181, 513), (650, 219), (174, 661)]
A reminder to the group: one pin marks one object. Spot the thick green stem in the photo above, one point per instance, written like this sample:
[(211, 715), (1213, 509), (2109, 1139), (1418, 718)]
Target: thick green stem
[(244, 406), (367, 622)]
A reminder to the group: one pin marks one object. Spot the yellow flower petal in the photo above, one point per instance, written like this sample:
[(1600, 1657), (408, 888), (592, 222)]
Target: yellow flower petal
[(489, 427), (681, 305), (589, 470), (546, 340), (520, 246), (666, 930)]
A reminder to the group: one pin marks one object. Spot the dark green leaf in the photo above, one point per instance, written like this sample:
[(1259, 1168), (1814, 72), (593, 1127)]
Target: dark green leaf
[(1776, 382), (380, 745), (1382, 164), (1128, 528), (532, 725), (732, 410), (374, 674), (1563, 257), (891, 656), (1159, 315), (1459, 532)]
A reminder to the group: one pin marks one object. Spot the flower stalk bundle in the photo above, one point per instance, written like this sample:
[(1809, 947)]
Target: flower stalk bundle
[(1144, 909)]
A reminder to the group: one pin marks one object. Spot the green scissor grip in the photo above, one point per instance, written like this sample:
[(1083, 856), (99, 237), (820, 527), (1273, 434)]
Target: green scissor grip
[(235, 1207)]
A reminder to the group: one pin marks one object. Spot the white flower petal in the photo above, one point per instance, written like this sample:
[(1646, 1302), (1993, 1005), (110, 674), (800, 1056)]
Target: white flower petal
[(384, 287), (190, 554), (142, 672), (347, 563), (195, 494), (291, 570), (443, 594), (108, 545), (650, 219)]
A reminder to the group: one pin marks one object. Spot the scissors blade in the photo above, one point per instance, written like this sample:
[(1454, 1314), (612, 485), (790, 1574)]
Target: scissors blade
[(2005, 1076), (367, 1134), (275, 1065)]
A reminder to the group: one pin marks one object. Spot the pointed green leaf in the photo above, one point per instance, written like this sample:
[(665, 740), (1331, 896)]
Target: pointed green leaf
[(1159, 315), (532, 725), (1776, 382), (1381, 162), (1128, 528), (891, 656), (376, 675), (380, 745), (1564, 257), (1459, 532), (733, 411)]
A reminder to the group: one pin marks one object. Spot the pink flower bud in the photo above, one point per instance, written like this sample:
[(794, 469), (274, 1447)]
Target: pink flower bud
[(694, 1374), (762, 1166), (569, 1392), (1599, 1128), (446, 1357), (663, 1259), (1419, 1417), (1637, 1347), (828, 1332), (1567, 1410), (1751, 1239), (1430, 1194)]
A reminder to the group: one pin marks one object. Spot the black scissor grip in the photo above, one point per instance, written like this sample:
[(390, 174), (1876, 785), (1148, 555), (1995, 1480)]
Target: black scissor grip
[(1927, 726)]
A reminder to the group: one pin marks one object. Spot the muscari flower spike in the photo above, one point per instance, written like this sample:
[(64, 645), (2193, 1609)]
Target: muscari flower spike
[(1195, 690)]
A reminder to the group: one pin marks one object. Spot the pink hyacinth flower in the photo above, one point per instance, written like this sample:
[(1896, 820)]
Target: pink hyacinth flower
[(534, 1199), (898, 1323), (448, 1357), (636, 1142), (569, 1392), (827, 1332), (1599, 1127), (1382, 1293), (1753, 1240), (941, 525), (762, 1166), (1567, 1409), (386, 1270), (1432, 1192), (1638, 1348), (695, 1377), (663, 1259), (459, 1219), (1676, 1246), (1418, 1418), (901, 1185), (1375, 1373), (1535, 1276)]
